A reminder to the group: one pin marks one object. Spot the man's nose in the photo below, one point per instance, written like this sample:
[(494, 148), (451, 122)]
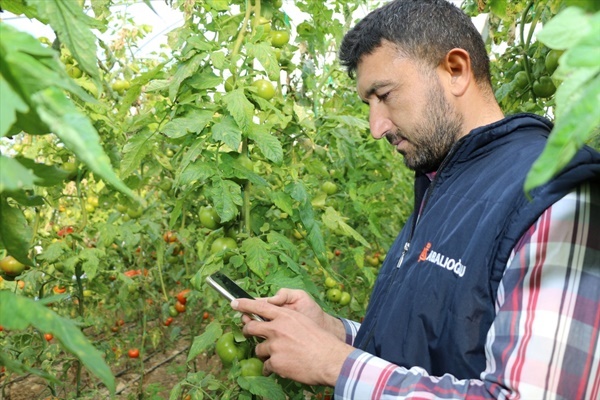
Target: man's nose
[(379, 122)]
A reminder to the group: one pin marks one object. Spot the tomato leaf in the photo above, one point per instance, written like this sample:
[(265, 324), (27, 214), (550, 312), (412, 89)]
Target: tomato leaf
[(239, 107), (262, 386), (15, 234), (307, 216), (558, 33), (77, 133), (15, 176), (498, 7), (11, 104), (257, 255), (268, 144), (265, 54), (572, 129), (226, 196), (334, 221), (283, 201), (53, 252), (198, 171), (46, 175), (205, 80), (208, 338), (68, 334), (184, 71), (137, 147), (194, 122), (73, 27), (228, 132)]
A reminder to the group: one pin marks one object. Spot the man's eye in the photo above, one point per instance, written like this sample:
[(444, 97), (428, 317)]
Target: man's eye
[(383, 97)]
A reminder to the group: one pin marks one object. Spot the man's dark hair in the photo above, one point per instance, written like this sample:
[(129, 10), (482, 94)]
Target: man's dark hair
[(424, 30)]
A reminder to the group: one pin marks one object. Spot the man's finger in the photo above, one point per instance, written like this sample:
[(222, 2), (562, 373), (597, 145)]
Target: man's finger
[(261, 308)]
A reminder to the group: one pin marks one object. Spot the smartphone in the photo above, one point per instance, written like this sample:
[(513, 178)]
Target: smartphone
[(230, 290)]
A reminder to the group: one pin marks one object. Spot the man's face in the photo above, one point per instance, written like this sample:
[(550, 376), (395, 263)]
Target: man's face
[(407, 106)]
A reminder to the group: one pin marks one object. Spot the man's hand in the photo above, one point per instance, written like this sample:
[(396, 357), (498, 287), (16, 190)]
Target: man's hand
[(295, 346), (299, 300)]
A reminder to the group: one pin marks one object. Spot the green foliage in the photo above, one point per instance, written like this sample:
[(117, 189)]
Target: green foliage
[(86, 134), (528, 80), (578, 97), (70, 337)]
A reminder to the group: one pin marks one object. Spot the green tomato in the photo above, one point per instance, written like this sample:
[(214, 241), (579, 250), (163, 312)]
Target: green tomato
[(279, 38), (11, 267), (304, 28), (373, 261), (251, 367), (229, 84), (265, 23), (122, 208), (551, 60), (228, 350), (165, 184), (329, 187), (173, 311), (334, 294), (330, 282), (209, 218), (71, 168), (120, 86), (74, 71), (544, 87), (520, 80), (135, 212), (264, 88), (225, 245), (345, 298)]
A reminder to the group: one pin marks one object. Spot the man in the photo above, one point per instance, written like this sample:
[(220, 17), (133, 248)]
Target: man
[(485, 293)]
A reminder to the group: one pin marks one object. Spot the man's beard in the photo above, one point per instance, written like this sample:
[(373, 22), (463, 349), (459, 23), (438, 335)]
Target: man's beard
[(431, 141)]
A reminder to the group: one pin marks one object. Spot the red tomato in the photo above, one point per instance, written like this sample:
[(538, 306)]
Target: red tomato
[(180, 307), (205, 315), (48, 336), (133, 353), (59, 289), (182, 296), (170, 237), (67, 230), (168, 321), (135, 272)]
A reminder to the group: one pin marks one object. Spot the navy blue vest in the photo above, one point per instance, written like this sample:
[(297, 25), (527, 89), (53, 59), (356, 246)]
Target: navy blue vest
[(435, 309)]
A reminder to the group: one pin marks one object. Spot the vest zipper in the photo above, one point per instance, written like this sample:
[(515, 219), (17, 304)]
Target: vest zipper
[(404, 251)]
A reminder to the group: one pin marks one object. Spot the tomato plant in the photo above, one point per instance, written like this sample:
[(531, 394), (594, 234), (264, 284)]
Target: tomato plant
[(240, 145)]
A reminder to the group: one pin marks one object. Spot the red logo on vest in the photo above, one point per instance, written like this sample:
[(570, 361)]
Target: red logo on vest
[(423, 255)]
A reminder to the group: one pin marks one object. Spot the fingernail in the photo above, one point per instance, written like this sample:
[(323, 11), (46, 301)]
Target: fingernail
[(234, 304)]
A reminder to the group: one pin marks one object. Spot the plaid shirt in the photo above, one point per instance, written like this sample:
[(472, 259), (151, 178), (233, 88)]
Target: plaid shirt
[(543, 343)]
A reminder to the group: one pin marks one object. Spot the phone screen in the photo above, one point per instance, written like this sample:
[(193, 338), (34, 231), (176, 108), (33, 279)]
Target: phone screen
[(229, 289)]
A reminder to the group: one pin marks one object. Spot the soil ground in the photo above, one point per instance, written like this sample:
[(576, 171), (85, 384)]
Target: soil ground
[(162, 371)]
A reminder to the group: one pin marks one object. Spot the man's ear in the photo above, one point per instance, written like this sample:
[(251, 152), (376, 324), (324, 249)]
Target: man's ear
[(457, 67)]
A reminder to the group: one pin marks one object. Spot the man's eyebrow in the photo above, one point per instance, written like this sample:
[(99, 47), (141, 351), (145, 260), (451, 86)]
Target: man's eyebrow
[(374, 88)]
